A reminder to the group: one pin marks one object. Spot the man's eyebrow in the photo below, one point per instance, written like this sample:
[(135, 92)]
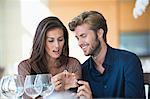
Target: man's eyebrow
[(76, 36), (82, 34)]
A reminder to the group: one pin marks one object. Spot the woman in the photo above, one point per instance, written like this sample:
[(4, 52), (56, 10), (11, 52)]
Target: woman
[(50, 54)]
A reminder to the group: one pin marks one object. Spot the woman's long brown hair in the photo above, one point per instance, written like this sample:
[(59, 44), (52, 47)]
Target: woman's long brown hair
[(38, 60)]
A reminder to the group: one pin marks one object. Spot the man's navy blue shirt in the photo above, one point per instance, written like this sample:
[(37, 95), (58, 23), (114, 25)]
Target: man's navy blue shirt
[(122, 78)]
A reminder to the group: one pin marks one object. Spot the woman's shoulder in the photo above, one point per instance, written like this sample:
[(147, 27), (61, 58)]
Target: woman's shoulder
[(24, 62), (24, 67), (73, 59), (74, 66)]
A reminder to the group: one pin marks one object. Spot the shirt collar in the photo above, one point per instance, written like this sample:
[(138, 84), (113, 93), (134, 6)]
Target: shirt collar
[(109, 58), (107, 62)]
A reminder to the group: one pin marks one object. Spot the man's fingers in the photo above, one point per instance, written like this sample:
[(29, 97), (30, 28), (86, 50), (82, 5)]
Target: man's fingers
[(83, 95), (84, 90), (81, 82)]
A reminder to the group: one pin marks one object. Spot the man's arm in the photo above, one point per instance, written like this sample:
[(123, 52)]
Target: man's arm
[(134, 81)]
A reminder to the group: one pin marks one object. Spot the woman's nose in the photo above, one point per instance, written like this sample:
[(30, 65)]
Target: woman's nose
[(56, 44)]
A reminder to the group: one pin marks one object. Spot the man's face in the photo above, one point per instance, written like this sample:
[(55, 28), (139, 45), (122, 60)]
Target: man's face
[(87, 40)]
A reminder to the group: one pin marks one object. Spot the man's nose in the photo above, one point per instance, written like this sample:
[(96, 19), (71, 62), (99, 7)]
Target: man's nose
[(80, 42)]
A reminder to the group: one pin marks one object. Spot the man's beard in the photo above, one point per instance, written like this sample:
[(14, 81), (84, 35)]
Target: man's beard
[(96, 49)]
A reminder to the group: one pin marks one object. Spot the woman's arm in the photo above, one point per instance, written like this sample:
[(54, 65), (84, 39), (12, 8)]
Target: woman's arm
[(24, 69), (74, 66), (73, 74)]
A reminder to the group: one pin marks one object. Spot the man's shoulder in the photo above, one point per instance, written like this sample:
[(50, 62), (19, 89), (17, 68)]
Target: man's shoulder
[(86, 63), (121, 56), (124, 53)]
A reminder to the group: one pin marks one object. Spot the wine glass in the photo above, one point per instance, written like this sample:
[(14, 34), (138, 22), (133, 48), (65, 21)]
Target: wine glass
[(48, 86), (4, 86), (12, 86), (33, 86)]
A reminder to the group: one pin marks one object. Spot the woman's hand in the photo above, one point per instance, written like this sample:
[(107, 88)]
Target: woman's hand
[(70, 80), (58, 81), (84, 91), (64, 81)]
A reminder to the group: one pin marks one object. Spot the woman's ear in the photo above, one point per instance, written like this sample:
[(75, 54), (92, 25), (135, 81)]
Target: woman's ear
[(100, 33)]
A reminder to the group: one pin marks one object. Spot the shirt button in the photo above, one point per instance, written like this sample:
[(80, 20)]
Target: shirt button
[(105, 86)]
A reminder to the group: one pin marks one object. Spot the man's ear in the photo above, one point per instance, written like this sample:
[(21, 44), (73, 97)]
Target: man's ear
[(100, 33)]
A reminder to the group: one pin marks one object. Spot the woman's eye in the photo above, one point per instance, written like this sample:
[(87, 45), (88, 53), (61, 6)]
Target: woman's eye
[(50, 40), (60, 39)]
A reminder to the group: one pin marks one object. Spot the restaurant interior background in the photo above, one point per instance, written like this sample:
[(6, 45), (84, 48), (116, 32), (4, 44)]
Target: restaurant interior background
[(19, 19)]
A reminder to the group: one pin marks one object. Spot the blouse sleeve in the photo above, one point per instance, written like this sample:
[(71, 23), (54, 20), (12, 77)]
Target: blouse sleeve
[(74, 66), (24, 68)]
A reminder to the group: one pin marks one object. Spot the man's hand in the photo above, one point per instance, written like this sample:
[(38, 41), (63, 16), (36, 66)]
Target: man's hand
[(84, 91)]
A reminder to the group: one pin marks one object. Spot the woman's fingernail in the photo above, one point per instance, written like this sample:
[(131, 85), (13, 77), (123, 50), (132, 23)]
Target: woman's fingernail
[(65, 70)]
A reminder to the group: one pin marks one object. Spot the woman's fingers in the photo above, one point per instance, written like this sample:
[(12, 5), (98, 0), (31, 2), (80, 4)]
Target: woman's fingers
[(64, 80), (70, 80), (58, 87), (57, 80)]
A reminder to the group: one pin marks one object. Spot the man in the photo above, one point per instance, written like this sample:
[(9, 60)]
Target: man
[(109, 72)]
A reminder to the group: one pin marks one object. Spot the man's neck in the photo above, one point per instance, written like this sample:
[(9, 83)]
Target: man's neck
[(99, 59)]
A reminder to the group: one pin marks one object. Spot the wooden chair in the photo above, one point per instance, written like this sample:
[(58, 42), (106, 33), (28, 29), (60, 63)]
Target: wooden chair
[(147, 84)]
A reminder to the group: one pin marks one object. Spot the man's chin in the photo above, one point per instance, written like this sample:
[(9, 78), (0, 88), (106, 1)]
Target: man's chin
[(86, 54)]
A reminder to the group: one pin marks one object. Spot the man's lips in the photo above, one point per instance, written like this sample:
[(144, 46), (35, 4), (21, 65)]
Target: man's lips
[(84, 47)]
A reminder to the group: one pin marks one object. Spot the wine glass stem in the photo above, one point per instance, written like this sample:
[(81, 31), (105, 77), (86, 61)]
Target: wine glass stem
[(33, 97), (20, 97)]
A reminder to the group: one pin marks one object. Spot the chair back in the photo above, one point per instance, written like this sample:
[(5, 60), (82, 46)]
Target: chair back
[(147, 85)]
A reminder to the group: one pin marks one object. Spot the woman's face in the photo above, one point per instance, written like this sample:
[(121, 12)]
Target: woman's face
[(54, 42)]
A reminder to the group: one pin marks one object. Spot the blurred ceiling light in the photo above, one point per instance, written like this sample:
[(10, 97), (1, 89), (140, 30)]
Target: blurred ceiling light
[(140, 7)]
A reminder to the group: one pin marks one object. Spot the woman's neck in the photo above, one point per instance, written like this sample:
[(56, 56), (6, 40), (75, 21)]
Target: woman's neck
[(51, 61)]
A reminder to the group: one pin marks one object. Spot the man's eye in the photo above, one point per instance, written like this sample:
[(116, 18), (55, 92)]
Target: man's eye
[(77, 38), (83, 35)]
